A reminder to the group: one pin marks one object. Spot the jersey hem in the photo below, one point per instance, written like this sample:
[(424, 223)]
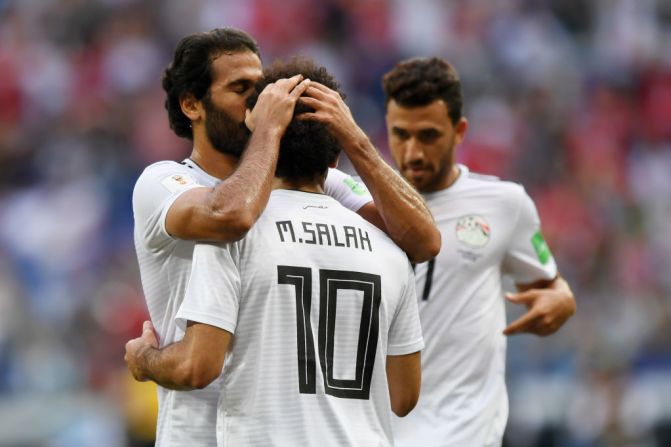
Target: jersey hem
[(182, 317), (407, 348)]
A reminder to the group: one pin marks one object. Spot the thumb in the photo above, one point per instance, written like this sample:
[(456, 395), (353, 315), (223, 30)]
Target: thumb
[(148, 331), (249, 120)]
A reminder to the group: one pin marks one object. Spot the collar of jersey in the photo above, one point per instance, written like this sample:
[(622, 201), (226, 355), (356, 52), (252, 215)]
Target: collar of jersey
[(463, 173), (307, 194), (193, 165)]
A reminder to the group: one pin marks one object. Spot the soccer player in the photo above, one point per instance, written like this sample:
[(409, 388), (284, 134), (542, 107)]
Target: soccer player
[(489, 228), (321, 304), (219, 191)]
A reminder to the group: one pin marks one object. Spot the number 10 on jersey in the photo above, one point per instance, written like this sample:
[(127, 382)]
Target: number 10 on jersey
[(330, 281)]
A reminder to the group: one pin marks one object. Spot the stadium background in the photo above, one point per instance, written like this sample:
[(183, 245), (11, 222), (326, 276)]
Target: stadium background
[(570, 97)]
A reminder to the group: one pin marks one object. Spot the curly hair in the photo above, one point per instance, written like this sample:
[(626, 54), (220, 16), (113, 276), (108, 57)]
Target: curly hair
[(190, 71), (307, 147), (420, 81)]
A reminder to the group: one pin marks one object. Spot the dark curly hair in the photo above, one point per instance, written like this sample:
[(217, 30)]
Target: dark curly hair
[(190, 71), (307, 147), (420, 81)]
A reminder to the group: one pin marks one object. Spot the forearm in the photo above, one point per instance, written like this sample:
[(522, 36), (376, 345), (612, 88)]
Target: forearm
[(245, 193), (406, 216), (167, 367)]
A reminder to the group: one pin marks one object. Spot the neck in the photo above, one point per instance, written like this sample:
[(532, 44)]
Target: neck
[(315, 184), (212, 161), (452, 176)]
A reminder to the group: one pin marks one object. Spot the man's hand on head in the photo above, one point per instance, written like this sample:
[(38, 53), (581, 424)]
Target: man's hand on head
[(137, 348), (275, 106), (331, 110)]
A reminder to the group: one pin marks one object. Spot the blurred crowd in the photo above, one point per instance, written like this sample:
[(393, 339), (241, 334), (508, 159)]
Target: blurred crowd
[(571, 98)]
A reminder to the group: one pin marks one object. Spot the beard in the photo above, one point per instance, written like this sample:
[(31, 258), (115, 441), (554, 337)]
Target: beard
[(225, 134)]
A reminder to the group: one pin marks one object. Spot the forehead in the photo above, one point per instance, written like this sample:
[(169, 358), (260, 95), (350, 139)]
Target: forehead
[(243, 65), (431, 115)]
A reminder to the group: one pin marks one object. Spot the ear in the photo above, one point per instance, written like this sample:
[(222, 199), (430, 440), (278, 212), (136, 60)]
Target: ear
[(335, 163), (191, 107), (460, 130)]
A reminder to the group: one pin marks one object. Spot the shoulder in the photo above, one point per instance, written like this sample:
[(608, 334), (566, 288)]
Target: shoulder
[(158, 182), (160, 170), (167, 174), (494, 188)]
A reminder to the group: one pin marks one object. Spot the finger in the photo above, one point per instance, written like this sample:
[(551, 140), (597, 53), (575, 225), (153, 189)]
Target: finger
[(287, 85), (300, 89), (149, 334), (313, 103), (318, 93), (547, 325), (323, 89), (522, 324), (249, 121), (312, 116), (522, 297)]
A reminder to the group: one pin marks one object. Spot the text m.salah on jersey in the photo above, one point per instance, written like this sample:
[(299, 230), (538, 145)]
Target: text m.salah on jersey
[(323, 234)]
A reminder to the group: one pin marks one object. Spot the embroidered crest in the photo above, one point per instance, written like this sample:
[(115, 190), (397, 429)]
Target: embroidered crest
[(473, 231)]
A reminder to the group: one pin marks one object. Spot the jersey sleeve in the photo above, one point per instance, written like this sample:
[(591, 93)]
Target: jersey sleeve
[(213, 292), (405, 332), (528, 258), (345, 189), (155, 191)]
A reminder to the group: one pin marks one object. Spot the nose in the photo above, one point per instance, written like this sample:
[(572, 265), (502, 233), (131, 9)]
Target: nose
[(414, 153)]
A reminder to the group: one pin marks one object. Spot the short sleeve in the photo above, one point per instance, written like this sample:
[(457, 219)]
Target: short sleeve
[(528, 258), (213, 292), (351, 193), (405, 332), (155, 191)]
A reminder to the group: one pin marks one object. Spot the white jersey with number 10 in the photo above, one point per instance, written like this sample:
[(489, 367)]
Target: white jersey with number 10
[(316, 298)]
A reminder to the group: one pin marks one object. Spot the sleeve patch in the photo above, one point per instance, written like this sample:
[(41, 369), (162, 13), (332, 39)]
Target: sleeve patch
[(541, 248), (176, 181), (357, 188)]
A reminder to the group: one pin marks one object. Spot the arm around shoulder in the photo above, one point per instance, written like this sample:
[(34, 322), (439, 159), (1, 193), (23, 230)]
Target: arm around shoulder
[(226, 212), (202, 214)]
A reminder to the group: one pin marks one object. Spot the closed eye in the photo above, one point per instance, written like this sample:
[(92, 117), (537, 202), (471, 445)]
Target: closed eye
[(241, 86)]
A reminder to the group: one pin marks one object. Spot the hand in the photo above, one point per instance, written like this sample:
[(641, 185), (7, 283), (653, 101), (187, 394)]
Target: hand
[(275, 106), (137, 347), (331, 110), (548, 310)]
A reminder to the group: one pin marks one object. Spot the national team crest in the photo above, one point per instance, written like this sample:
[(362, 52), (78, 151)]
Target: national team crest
[(473, 231)]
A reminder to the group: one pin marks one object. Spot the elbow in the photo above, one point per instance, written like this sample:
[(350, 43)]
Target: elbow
[(402, 406), (427, 247), (197, 376), (233, 225)]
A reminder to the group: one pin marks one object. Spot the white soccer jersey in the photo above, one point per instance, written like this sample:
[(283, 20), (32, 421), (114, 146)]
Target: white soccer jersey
[(489, 228), (316, 298), (186, 418)]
